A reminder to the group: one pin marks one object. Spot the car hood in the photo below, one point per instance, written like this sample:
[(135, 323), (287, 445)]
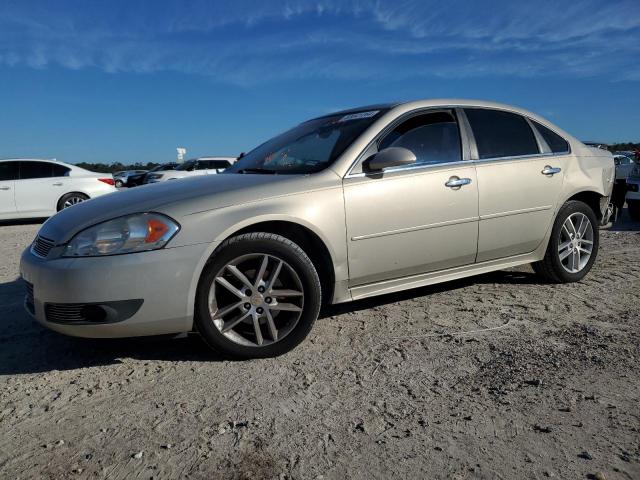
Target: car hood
[(180, 198)]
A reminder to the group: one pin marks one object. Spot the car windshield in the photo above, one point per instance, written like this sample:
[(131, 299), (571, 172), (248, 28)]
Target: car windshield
[(310, 147)]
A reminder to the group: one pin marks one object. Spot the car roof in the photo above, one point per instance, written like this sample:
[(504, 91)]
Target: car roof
[(46, 160)]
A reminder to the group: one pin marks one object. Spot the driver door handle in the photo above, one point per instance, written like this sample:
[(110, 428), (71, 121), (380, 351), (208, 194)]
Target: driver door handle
[(57, 184), (549, 170), (5, 188), (455, 182)]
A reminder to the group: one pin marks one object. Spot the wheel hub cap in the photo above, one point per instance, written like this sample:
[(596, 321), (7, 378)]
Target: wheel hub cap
[(575, 245)]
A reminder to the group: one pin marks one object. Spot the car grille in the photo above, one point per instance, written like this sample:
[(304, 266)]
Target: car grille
[(65, 312), (28, 298), (41, 246)]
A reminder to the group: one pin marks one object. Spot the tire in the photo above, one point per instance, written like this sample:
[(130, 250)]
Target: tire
[(562, 270), (119, 184), (70, 199), (634, 209), (284, 314)]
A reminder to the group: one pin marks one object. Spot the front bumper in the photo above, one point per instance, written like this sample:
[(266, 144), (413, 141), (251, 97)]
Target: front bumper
[(165, 280)]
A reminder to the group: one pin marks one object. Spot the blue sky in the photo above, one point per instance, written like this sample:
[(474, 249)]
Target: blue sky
[(130, 81)]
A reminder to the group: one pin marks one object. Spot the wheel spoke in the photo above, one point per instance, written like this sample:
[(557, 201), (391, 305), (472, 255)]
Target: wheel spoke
[(584, 240), (579, 229), (223, 281), (239, 275), (256, 327), (221, 313), (275, 274), (273, 331), (232, 323), (263, 268), (286, 293), (574, 264), (289, 307), (565, 254), (563, 246)]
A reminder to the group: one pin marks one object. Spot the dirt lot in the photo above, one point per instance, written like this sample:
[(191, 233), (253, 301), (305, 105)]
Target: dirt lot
[(499, 376)]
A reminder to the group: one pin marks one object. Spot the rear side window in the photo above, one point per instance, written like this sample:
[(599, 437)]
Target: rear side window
[(30, 170), (59, 170), (501, 134), (219, 164), (433, 138), (8, 171), (556, 143)]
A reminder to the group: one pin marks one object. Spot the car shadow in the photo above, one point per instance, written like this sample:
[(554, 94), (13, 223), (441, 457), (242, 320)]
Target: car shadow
[(624, 223), (31, 348), (23, 221), (498, 277)]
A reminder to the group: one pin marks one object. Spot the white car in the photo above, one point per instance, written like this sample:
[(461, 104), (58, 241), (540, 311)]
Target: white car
[(33, 188), (191, 168)]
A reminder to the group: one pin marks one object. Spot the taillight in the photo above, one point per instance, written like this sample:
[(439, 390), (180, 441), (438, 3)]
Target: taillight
[(108, 181)]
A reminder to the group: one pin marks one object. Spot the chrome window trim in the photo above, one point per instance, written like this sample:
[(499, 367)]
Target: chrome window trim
[(543, 147), (422, 166)]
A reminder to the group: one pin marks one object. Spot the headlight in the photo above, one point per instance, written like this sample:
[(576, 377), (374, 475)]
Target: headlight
[(133, 233)]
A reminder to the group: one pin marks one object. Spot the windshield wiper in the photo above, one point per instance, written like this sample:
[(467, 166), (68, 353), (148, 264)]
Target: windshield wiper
[(258, 170)]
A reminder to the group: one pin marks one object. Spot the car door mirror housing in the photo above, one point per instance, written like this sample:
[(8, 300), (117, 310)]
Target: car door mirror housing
[(389, 157)]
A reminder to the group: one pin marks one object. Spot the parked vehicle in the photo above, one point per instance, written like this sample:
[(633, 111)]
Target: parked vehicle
[(342, 207), (624, 166), (137, 180), (633, 192), (122, 178), (192, 168), (34, 188)]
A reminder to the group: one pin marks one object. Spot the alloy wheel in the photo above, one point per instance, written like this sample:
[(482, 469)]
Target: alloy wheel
[(256, 300), (73, 200), (576, 242)]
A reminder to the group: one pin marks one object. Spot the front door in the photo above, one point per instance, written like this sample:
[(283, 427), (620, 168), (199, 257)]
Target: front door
[(414, 219)]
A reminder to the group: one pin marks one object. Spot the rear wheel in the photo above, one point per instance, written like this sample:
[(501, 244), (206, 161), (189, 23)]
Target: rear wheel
[(258, 296), (119, 183), (71, 199), (573, 245), (634, 209)]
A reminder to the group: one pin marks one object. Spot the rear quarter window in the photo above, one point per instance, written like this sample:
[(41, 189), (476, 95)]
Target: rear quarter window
[(556, 143)]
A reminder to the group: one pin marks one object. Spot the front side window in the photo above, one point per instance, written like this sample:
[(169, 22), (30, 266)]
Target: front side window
[(8, 171), (556, 143), (30, 170), (433, 138), (501, 134), (187, 166), (220, 164), (310, 147)]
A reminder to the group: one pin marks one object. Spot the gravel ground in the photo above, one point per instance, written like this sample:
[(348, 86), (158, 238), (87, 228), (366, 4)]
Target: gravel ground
[(498, 376)]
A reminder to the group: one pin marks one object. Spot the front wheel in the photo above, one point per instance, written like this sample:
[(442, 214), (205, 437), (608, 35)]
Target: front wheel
[(573, 245), (258, 296), (119, 183), (634, 209)]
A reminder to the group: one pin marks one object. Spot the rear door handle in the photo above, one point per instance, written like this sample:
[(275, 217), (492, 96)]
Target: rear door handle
[(5, 188), (58, 184), (455, 182), (549, 170)]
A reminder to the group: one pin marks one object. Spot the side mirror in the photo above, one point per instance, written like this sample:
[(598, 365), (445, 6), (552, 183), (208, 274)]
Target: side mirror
[(389, 157)]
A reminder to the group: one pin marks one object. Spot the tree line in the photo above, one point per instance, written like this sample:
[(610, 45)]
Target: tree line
[(116, 167)]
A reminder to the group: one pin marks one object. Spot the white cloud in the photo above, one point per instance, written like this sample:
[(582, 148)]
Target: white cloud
[(249, 42)]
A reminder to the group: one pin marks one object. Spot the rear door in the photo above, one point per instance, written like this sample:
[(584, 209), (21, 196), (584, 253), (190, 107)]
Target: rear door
[(8, 176), (39, 187), (519, 182)]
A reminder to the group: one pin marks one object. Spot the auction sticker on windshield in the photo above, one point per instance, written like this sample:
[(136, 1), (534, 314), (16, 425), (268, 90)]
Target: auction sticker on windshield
[(359, 116)]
